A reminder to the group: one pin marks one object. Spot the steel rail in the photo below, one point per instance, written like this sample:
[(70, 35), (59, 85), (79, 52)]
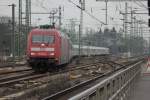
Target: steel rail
[(108, 80), (15, 79), (29, 77), (10, 65), (15, 71), (55, 73), (24, 77), (71, 89), (17, 76)]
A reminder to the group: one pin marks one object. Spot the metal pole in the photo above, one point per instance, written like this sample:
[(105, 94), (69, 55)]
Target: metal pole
[(126, 27), (131, 31), (140, 35), (126, 11), (26, 22), (27, 18), (123, 25), (11, 37), (29, 14), (13, 31), (53, 16), (60, 17), (149, 45), (20, 26), (135, 27), (82, 2), (106, 11), (79, 43), (13, 27)]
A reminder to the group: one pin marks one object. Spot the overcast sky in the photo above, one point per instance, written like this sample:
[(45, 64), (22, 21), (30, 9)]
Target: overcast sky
[(71, 11)]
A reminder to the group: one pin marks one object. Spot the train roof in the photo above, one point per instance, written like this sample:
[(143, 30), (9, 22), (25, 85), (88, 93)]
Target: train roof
[(61, 34), (90, 47), (46, 30)]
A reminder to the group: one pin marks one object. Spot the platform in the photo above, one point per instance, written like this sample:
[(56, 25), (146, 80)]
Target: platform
[(141, 91)]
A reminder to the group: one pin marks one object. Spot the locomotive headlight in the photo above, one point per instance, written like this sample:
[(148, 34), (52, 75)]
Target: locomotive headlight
[(32, 53), (52, 54)]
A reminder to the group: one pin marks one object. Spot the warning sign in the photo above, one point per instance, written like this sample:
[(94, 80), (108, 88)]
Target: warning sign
[(147, 72), (148, 62)]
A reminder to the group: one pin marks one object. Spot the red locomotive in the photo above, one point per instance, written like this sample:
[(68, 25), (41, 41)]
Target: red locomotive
[(48, 47)]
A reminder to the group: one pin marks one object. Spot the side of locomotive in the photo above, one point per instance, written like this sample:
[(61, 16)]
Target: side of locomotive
[(47, 47)]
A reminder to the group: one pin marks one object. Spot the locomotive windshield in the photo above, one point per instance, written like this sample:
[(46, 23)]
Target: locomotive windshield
[(42, 39)]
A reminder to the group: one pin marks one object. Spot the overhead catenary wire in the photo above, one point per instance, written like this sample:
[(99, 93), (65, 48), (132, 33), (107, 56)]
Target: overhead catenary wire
[(4, 5), (92, 16), (141, 4), (40, 4)]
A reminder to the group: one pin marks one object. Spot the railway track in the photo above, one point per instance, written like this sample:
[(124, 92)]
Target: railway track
[(14, 71), (11, 81), (65, 94), (28, 74), (11, 65), (31, 75), (14, 80), (4, 71)]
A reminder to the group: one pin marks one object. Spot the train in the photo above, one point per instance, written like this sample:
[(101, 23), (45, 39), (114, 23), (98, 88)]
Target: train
[(48, 48)]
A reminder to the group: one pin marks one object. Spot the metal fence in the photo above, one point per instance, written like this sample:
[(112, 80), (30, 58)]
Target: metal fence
[(116, 87)]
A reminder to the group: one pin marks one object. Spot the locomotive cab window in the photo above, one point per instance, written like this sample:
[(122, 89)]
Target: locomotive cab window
[(43, 39)]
